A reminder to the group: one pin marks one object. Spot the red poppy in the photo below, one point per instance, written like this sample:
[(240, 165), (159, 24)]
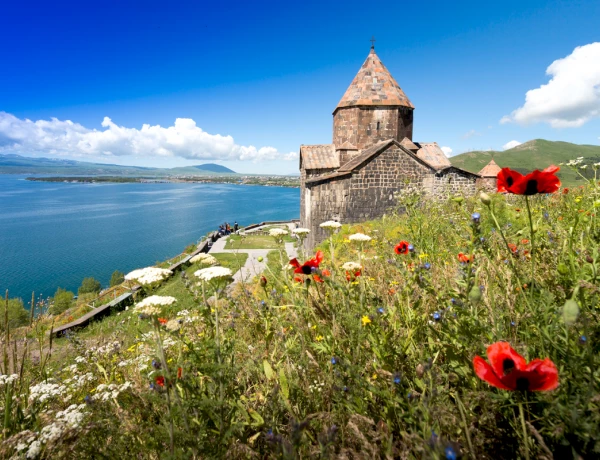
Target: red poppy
[(464, 258), (565, 190), (506, 179), (352, 276), (263, 281), (179, 372), (513, 247), (402, 247), (533, 183), (524, 241), (163, 321), (160, 380), (306, 268), (508, 370)]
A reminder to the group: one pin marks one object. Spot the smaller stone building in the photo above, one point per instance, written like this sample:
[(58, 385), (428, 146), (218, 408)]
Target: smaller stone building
[(489, 175), (372, 158)]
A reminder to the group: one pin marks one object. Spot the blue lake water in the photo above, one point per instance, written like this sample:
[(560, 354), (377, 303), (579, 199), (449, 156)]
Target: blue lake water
[(55, 234)]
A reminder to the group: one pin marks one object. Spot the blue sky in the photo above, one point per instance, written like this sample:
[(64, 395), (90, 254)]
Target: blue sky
[(269, 75)]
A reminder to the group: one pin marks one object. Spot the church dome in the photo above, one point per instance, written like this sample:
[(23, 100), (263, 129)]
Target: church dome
[(373, 85)]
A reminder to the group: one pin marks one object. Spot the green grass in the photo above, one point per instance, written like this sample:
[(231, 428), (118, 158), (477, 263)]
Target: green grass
[(232, 260), (536, 154), (253, 242)]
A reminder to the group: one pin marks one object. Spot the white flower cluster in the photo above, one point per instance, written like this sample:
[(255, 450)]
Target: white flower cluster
[(204, 259), (351, 266), (80, 359), (211, 273), (79, 380), (277, 232), (8, 379), (69, 418), (148, 275), (174, 325), (575, 162), (359, 237), (301, 231), (108, 349), (105, 392), (46, 390), (151, 306), (330, 224)]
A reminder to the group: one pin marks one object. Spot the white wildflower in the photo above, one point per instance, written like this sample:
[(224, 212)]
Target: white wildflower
[(301, 231), (330, 224), (173, 325), (45, 390), (359, 237), (21, 446), (80, 359), (204, 259), (151, 306), (276, 232), (148, 275), (8, 379), (34, 449), (583, 167), (351, 266), (184, 313), (213, 273), (580, 158)]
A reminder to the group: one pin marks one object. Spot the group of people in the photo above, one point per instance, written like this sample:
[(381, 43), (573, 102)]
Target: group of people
[(226, 229)]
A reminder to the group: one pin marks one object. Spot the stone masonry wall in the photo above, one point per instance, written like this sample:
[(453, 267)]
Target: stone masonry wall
[(449, 182), (345, 123), (367, 194)]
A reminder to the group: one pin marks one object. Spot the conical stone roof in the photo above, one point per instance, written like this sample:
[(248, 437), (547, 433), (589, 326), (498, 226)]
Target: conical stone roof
[(490, 170), (374, 85)]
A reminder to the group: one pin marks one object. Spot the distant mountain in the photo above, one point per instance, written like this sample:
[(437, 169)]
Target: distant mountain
[(16, 164), (215, 168), (535, 154)]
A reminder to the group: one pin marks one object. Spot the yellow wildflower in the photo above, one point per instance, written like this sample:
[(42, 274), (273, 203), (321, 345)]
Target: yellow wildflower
[(365, 320), (319, 338), (423, 255)]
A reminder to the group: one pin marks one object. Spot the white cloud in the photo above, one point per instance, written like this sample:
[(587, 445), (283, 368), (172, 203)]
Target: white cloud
[(470, 134), (184, 139), (570, 98), (447, 151), (511, 145)]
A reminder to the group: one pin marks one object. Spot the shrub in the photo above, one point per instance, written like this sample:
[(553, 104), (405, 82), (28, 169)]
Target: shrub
[(116, 278), (89, 285), (63, 300), (17, 315)]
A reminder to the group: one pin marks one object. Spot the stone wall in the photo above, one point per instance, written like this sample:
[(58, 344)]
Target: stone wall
[(365, 126), (489, 184), (450, 181), (366, 194)]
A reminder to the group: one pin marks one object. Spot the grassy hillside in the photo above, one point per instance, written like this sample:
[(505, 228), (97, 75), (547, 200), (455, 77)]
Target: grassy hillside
[(369, 352), (535, 154)]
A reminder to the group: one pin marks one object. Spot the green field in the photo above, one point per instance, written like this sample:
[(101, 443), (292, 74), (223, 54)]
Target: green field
[(254, 242)]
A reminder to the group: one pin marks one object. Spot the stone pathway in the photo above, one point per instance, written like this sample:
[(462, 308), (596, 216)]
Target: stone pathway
[(252, 267)]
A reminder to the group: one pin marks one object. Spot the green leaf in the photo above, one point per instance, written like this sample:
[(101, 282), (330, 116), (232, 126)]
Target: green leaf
[(570, 311), (268, 370), (256, 417), (283, 383)]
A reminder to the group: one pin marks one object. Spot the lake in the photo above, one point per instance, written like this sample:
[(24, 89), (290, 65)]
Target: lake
[(55, 234)]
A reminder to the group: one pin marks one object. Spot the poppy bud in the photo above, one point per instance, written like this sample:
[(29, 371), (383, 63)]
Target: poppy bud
[(475, 295), (458, 199), (263, 281), (562, 269), (485, 198), (535, 228), (570, 311), (589, 260), (420, 370), (260, 258)]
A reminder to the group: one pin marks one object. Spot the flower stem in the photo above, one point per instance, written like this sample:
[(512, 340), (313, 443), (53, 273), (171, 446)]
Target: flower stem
[(524, 427), (532, 245), (163, 359)]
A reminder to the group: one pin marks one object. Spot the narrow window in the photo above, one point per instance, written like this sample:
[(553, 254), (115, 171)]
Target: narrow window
[(377, 126)]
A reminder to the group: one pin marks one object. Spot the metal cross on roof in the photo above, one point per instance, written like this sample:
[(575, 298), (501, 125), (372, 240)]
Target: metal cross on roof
[(372, 42)]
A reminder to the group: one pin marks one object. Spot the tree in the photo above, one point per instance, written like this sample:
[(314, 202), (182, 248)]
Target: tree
[(117, 278), (63, 300), (17, 315), (89, 285)]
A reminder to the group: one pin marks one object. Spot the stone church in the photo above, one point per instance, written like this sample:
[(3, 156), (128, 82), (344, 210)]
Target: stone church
[(372, 157)]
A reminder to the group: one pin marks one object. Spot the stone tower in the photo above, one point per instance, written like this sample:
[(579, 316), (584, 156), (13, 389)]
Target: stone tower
[(374, 108)]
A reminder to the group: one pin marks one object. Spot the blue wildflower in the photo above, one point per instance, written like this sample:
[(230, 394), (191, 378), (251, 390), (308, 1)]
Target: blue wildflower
[(156, 364), (437, 316), (334, 360), (411, 248), (396, 378), (427, 266), (583, 340), (450, 453), (380, 310), (476, 217), (482, 239), (513, 324)]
